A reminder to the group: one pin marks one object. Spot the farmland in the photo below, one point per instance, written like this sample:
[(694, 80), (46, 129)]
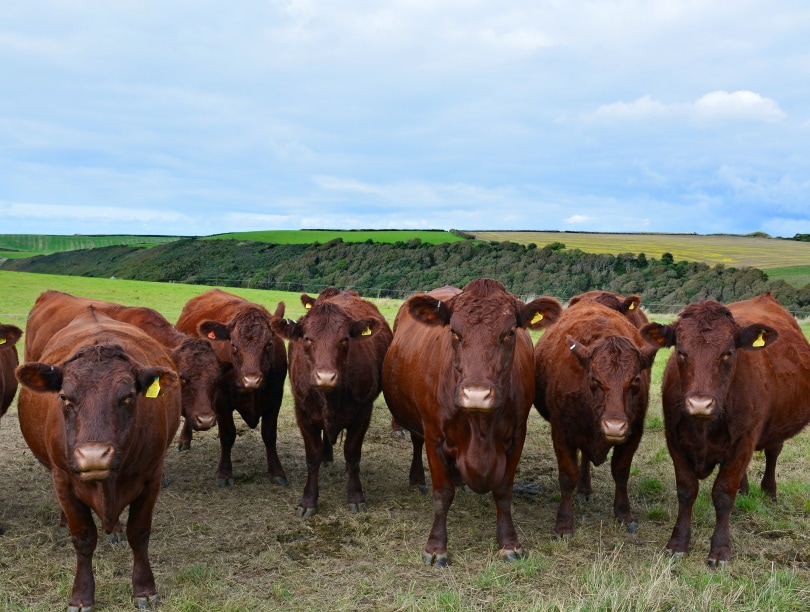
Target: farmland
[(242, 548)]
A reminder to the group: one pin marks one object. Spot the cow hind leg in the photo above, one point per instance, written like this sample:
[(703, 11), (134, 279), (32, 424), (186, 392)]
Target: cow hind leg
[(184, 439), (416, 477), (585, 485), (768, 483), (227, 437)]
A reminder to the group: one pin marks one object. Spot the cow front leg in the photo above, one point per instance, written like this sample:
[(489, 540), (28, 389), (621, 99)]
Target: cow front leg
[(724, 492), (139, 530), (444, 491), (227, 437), (687, 485), (186, 434), (768, 483), (84, 536), (509, 546), (269, 434), (352, 450), (620, 464), (568, 475), (584, 486), (314, 449)]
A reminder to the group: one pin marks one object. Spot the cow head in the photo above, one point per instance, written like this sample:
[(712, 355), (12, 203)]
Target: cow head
[(629, 307), (325, 335), (707, 338), (247, 342), (617, 385), (483, 322), (98, 391), (199, 371)]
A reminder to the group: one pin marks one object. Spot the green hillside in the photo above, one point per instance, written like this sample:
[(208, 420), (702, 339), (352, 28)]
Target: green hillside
[(323, 236)]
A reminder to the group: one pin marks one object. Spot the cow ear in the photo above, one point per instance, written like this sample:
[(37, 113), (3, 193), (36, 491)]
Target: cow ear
[(280, 308), (152, 381), (9, 334), (580, 351), (539, 313), (428, 310), (756, 337), (364, 328), (39, 377), (213, 330), (648, 355), (307, 301), (659, 335), (631, 303), (287, 328)]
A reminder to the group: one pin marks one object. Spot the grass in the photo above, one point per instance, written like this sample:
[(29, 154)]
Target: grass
[(13, 246), (323, 236), (242, 548)]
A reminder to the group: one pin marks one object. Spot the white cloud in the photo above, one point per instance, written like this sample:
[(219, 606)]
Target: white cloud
[(744, 105), (641, 108), (578, 219)]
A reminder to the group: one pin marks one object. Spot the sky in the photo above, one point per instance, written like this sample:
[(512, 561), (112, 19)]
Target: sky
[(196, 117)]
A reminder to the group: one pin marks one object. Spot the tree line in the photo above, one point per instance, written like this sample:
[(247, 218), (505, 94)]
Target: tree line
[(399, 269)]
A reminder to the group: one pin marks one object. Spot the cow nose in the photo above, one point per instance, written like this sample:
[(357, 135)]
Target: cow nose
[(476, 397), (252, 381), (93, 460), (700, 406), (201, 422), (615, 429), (325, 378)]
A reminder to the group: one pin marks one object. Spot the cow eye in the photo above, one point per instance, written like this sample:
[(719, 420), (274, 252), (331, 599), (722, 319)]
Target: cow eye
[(509, 335), (726, 356), (682, 357), (456, 335)]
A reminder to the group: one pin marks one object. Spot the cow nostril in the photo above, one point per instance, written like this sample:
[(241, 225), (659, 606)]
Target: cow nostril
[(699, 405)]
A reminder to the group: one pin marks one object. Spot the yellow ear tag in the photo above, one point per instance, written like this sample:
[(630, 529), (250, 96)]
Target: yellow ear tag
[(153, 389), (632, 306), (307, 306), (536, 318), (366, 332), (760, 341), (2, 340)]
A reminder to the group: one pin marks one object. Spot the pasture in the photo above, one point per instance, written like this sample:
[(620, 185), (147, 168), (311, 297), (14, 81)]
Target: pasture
[(14, 246), (323, 236), (242, 548)]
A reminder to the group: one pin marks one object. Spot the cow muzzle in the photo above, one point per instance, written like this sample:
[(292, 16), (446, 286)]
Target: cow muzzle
[(93, 461), (615, 430), (325, 379), (476, 397), (251, 382), (700, 406), (203, 422)]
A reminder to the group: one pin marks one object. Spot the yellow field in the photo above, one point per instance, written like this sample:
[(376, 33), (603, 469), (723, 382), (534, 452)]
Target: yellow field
[(737, 251)]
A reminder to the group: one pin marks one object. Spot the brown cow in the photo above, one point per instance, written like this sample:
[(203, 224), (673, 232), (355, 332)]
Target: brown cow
[(592, 379), (99, 411), (629, 306), (730, 388), (195, 360), (9, 335), (240, 332), (459, 377), (336, 352)]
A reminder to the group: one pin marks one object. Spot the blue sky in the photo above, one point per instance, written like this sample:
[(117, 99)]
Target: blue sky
[(200, 117)]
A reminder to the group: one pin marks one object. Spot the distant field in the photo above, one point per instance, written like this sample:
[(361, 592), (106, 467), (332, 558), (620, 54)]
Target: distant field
[(737, 251), (322, 236), (14, 246), (798, 276)]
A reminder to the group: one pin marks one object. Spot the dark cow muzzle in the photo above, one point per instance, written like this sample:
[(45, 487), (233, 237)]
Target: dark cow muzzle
[(476, 397), (251, 382), (94, 461), (700, 406)]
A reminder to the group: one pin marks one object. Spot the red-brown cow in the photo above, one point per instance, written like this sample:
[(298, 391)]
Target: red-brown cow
[(737, 381), (336, 352), (240, 333), (629, 306), (592, 383), (9, 335), (99, 411), (459, 376), (195, 360)]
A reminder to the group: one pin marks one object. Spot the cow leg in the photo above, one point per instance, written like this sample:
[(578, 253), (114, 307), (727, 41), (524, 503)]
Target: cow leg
[(510, 548), (687, 485), (328, 450), (416, 477), (269, 434), (435, 552), (227, 437), (744, 484), (139, 530), (313, 447), (184, 440), (620, 469), (84, 536), (584, 486), (724, 492), (768, 483), (352, 450), (568, 475)]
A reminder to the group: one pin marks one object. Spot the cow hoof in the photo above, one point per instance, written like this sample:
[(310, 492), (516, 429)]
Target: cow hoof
[(631, 527), (146, 603), (564, 537), (280, 480), (513, 554), (79, 609), (674, 555), (419, 487), (435, 559), (355, 508), (716, 564), (225, 482), (116, 537), (584, 497), (183, 446), (305, 513)]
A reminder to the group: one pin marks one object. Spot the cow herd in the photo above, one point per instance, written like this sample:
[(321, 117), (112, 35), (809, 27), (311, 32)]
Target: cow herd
[(103, 388)]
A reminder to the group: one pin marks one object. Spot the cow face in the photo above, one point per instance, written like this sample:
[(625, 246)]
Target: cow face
[(483, 323), (325, 335), (199, 371), (97, 393), (616, 382), (707, 340)]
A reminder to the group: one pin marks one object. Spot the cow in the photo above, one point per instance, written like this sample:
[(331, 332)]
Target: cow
[(99, 410), (336, 352), (629, 306), (592, 379), (458, 376), (240, 333), (738, 380), (195, 360), (9, 335)]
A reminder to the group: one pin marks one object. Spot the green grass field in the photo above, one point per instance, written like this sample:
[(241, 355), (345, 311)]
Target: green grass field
[(323, 236), (14, 246)]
